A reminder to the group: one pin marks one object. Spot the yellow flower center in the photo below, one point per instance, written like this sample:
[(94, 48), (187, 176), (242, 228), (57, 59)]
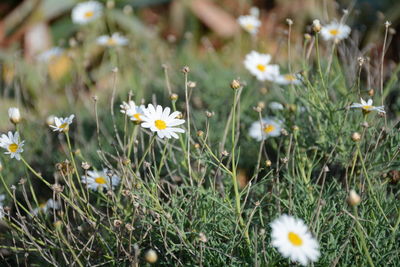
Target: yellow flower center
[(249, 27), (64, 125), (13, 148), (295, 239), (334, 32), (160, 124), (100, 180), (137, 116), (268, 128), (111, 41), (88, 14), (367, 107), (261, 67), (290, 77)]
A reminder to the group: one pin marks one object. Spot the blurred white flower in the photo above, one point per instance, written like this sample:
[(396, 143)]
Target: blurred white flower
[(49, 205), (268, 127), (86, 12), (134, 112), (62, 124), (12, 144), (116, 39), (335, 31), (258, 65), (249, 23), (99, 180), (275, 106), (160, 120), (14, 115), (367, 106), (293, 240), (286, 79), (50, 54)]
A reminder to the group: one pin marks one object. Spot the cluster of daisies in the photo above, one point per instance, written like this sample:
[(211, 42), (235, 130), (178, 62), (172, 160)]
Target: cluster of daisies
[(85, 13), (260, 66)]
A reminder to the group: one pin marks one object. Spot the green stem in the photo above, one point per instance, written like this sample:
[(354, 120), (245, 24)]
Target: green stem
[(234, 175), (362, 238), (146, 152)]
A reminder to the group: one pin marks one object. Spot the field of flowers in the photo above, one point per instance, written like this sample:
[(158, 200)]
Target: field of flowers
[(124, 148)]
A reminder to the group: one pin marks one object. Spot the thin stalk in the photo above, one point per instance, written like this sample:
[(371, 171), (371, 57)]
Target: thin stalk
[(362, 238)]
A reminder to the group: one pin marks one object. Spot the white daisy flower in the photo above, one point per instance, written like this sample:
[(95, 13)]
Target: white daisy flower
[(367, 106), (116, 39), (12, 144), (249, 23), (162, 122), (276, 106), (14, 115), (258, 65), (288, 79), (268, 127), (335, 31), (86, 12), (50, 54), (98, 180), (62, 124), (134, 112), (49, 205), (293, 240)]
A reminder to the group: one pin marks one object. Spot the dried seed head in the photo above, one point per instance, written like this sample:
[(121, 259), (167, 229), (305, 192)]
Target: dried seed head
[(261, 104), (225, 153), (57, 188), (392, 31), (129, 227), (356, 137), (235, 84), (191, 84), (284, 132), (58, 224), (209, 114), (117, 223), (85, 165), (284, 160), (289, 21), (295, 128), (307, 36), (197, 145), (361, 61), (316, 26), (365, 124), (371, 92), (268, 163), (185, 69), (353, 199), (173, 97), (200, 133), (151, 256), (202, 237), (387, 24)]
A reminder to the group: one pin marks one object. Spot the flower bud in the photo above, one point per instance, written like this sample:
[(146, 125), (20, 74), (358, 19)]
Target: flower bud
[(173, 97), (50, 120), (353, 199), (316, 26), (185, 69), (235, 84), (268, 163), (14, 115), (356, 137), (151, 256)]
